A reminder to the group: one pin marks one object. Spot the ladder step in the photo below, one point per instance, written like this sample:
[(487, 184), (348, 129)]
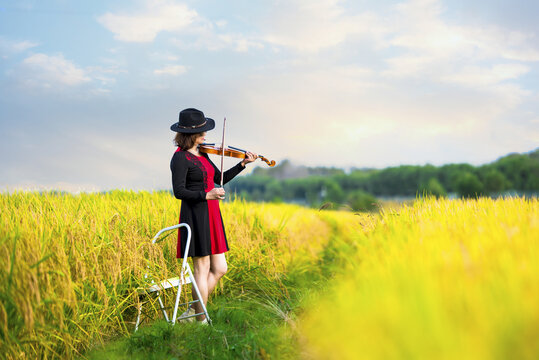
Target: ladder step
[(189, 316)]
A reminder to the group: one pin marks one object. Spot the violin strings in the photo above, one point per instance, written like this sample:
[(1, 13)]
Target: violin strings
[(235, 148)]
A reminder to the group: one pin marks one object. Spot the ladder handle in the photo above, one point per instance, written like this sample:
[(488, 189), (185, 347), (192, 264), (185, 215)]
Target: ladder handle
[(154, 240)]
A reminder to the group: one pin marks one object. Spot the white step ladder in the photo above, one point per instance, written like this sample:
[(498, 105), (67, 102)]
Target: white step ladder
[(186, 277)]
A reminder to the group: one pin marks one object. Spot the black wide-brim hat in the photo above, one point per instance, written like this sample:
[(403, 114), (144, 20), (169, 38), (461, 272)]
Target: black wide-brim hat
[(192, 121)]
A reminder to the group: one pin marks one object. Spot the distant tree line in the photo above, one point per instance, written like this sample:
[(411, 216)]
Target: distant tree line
[(360, 187)]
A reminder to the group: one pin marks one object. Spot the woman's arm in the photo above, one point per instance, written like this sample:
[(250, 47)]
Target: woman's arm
[(179, 166)]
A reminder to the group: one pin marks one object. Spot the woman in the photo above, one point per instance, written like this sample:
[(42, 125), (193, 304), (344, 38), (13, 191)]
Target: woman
[(193, 181)]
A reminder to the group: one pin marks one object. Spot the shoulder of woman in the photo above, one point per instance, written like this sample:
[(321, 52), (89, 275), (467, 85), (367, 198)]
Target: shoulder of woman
[(179, 152), (179, 156)]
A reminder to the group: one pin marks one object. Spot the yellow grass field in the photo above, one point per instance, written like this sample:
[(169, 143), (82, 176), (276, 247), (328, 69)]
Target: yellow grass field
[(443, 279), (448, 279), (71, 264)]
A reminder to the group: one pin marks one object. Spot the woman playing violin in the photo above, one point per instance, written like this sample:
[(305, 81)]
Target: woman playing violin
[(193, 180)]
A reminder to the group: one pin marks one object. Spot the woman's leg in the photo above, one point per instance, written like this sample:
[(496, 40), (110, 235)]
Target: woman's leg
[(201, 270), (218, 268), (208, 270)]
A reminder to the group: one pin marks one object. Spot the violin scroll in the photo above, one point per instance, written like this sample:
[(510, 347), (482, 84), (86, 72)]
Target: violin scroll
[(271, 163)]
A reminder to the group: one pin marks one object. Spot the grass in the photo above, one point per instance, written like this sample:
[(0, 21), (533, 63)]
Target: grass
[(243, 328), (447, 279), (254, 319), (73, 263)]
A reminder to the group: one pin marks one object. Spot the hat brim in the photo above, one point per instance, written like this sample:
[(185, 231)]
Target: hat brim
[(210, 124)]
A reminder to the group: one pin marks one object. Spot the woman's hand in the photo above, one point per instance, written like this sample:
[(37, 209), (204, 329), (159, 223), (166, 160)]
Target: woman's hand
[(215, 194), (249, 158)]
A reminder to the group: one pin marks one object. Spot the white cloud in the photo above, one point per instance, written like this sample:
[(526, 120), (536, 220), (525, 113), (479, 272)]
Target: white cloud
[(484, 61), (143, 26), (206, 38), (305, 25), (404, 84), (494, 41), (431, 46), (238, 42), (408, 65), (57, 74), (221, 23), (164, 55), (105, 74), (168, 16), (23, 45), (46, 71), (482, 76), (8, 47), (171, 70), (356, 115), (302, 25)]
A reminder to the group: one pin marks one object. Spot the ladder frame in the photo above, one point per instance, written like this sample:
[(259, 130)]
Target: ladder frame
[(186, 277)]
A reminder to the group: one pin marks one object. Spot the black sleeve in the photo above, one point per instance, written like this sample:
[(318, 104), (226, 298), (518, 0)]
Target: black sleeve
[(228, 175), (179, 166)]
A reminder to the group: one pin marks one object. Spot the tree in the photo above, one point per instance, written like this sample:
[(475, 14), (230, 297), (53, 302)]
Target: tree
[(274, 191), (359, 200), (518, 169), (433, 187), (333, 191), (469, 185), (449, 174), (495, 181)]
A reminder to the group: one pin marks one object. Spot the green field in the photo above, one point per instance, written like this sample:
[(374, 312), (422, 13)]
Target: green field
[(437, 279)]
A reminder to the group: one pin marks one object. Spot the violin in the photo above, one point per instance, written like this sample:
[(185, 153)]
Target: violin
[(231, 152)]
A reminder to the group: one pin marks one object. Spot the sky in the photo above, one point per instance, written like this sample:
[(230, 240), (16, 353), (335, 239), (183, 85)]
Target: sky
[(89, 89)]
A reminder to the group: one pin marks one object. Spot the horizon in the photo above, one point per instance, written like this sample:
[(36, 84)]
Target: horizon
[(88, 91), (247, 173)]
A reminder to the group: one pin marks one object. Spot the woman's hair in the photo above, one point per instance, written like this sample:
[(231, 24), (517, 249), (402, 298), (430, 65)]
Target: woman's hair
[(185, 141)]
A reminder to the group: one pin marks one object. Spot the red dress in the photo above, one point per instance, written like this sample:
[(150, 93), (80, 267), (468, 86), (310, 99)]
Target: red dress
[(192, 177)]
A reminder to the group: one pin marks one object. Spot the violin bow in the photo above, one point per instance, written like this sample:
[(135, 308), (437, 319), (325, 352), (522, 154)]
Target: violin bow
[(223, 151)]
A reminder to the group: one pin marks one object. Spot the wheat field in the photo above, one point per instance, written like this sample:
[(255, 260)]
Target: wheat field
[(71, 264), (438, 279), (442, 279)]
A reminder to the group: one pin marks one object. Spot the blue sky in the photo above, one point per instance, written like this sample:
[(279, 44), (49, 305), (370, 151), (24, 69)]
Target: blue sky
[(89, 89)]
